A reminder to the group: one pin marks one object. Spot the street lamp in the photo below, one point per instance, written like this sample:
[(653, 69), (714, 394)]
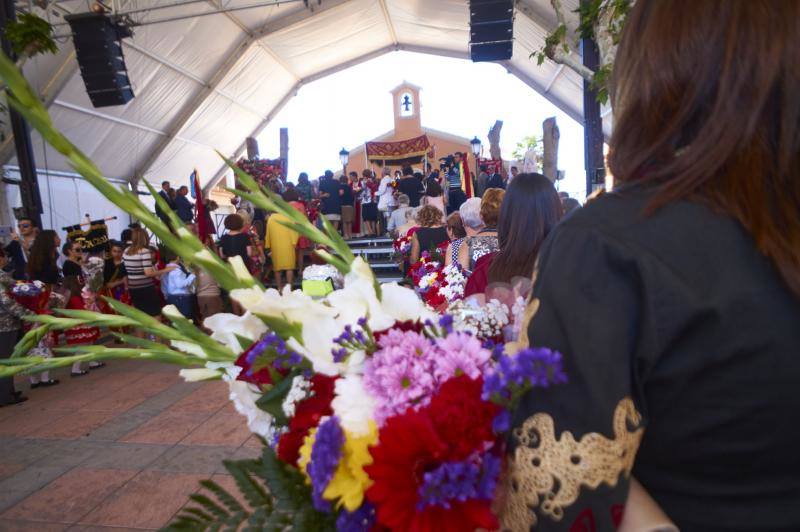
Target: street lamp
[(344, 157), (475, 143)]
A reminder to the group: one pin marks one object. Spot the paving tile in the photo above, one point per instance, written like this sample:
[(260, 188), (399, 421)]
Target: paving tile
[(209, 398), (170, 396), (66, 452), (74, 425), (133, 456), (119, 401), (226, 427), (149, 500), (254, 442), (8, 469), (86, 528), (28, 420), (24, 451), (14, 525), (32, 478), (193, 459), (71, 496), (167, 427), (9, 498), (120, 425)]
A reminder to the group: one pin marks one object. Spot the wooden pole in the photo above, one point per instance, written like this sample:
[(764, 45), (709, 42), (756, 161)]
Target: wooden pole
[(284, 140), (252, 148)]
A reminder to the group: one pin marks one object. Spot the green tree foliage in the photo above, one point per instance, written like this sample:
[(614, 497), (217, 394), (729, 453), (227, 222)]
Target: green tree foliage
[(31, 35), (522, 147)]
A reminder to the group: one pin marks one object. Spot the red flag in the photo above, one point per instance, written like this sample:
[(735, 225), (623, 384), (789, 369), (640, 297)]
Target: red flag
[(201, 218), (466, 178)]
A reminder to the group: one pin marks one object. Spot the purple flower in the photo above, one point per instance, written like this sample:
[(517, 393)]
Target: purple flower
[(501, 422), (474, 478), (446, 323), (325, 455), (400, 375), (459, 354), (352, 340), (361, 520), (531, 367)]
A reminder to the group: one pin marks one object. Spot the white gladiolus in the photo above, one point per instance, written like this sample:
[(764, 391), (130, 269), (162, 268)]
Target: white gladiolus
[(225, 328), (324, 320), (199, 374), (244, 396), (190, 348)]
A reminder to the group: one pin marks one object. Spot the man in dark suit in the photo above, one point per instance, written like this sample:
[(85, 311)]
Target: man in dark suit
[(164, 193), (183, 206), (495, 181)]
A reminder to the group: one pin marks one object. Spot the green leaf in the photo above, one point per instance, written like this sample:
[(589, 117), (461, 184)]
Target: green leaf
[(255, 495), (223, 496), (244, 342), (272, 400), (282, 327)]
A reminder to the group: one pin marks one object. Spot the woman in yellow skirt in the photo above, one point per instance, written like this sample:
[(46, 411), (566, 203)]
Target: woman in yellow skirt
[(282, 243)]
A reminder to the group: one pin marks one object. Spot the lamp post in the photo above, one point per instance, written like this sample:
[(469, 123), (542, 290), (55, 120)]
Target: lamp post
[(475, 143), (344, 157)]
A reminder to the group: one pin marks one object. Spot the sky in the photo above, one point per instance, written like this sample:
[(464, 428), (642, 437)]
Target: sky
[(353, 106)]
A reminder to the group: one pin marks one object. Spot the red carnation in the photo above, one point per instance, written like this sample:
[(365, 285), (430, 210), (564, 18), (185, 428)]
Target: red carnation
[(454, 425), (461, 417), (307, 414)]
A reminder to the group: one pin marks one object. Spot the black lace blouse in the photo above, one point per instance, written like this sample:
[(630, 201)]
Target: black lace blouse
[(681, 343)]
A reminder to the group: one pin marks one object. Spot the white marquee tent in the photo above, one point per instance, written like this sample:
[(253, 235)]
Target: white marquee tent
[(218, 72)]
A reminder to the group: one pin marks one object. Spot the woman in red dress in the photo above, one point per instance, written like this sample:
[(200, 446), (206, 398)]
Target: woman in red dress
[(74, 281)]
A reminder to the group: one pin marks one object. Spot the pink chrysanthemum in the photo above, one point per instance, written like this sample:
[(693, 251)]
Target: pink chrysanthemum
[(459, 354), (400, 375)]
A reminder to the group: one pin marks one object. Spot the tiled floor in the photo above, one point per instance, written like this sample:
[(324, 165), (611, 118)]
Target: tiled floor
[(120, 449)]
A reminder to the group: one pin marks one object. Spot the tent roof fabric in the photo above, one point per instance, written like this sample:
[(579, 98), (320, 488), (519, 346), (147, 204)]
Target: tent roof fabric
[(207, 82)]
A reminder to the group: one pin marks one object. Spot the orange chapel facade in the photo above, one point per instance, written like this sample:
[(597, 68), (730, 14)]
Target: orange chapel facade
[(408, 125)]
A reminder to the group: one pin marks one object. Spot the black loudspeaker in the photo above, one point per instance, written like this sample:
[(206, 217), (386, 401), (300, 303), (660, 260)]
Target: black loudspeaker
[(98, 48), (491, 36)]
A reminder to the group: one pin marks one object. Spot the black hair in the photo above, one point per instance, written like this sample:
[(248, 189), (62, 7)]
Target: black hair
[(531, 208)]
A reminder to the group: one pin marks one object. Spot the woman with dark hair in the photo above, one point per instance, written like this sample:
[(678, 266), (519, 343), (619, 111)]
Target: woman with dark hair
[(74, 281), (434, 195), (530, 210), (42, 261), (236, 242), (369, 205), (141, 272), (675, 299), (304, 187), (430, 234)]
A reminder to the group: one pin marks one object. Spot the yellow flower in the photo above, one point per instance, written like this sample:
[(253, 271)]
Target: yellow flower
[(350, 480), (305, 452)]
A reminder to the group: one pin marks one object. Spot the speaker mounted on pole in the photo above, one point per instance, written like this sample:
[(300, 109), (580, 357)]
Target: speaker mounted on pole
[(491, 35), (98, 47)]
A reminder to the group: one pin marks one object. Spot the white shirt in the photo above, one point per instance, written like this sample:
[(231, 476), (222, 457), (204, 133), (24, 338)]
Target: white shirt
[(386, 194)]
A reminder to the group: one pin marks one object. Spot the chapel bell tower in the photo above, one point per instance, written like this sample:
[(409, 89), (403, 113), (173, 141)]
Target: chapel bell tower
[(407, 122)]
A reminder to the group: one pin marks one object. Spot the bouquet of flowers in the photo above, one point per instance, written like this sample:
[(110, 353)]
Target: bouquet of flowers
[(436, 284), (262, 170), (33, 295), (402, 246), (496, 315), (454, 282), (376, 412)]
